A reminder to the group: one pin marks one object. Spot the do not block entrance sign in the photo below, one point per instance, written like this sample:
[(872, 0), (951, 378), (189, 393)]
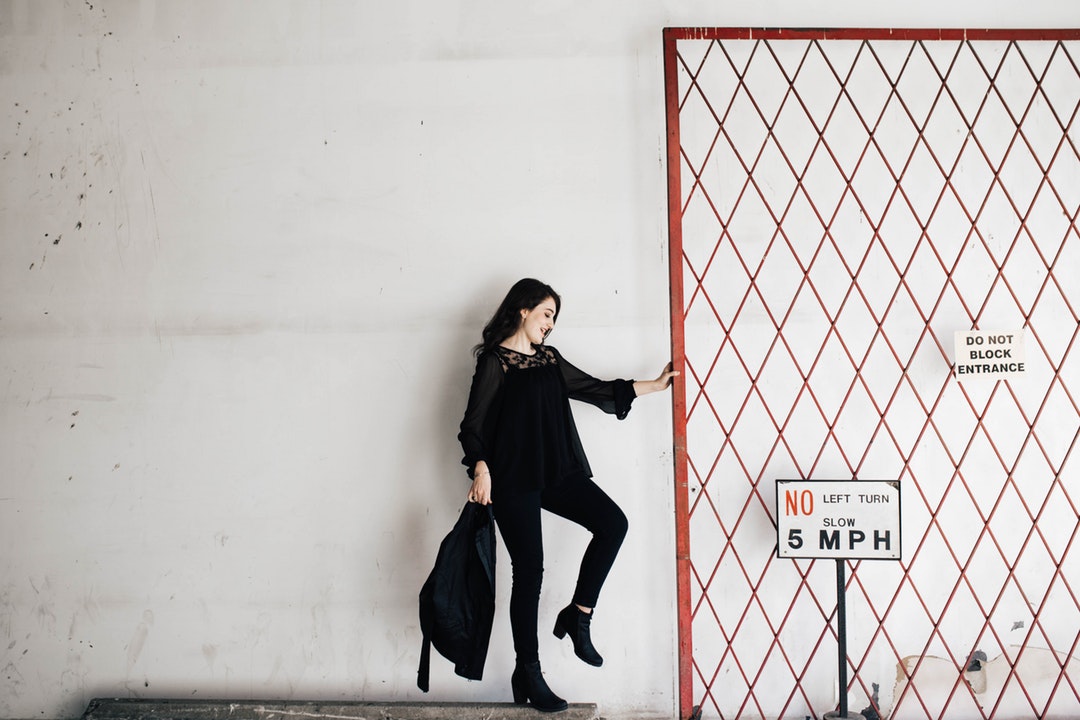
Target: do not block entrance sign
[(839, 519), (991, 355)]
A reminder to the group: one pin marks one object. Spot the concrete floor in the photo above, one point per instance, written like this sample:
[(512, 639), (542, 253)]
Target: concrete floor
[(132, 709)]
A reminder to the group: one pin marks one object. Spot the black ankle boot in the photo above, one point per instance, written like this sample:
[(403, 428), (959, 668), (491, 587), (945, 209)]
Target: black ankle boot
[(528, 685), (574, 621)]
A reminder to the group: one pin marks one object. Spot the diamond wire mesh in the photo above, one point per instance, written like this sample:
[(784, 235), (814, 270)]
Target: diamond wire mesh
[(846, 206)]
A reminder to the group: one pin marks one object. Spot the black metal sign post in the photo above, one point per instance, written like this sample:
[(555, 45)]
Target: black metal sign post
[(839, 520), (841, 637)]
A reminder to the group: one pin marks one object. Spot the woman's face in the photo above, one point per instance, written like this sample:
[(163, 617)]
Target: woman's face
[(538, 321)]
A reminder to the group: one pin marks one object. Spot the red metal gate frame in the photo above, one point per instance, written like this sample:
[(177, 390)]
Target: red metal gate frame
[(672, 101)]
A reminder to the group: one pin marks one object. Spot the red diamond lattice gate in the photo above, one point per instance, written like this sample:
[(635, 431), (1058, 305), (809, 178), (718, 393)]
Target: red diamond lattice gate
[(841, 203)]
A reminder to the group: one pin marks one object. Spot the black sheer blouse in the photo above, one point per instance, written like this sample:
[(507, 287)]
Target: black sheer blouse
[(518, 418)]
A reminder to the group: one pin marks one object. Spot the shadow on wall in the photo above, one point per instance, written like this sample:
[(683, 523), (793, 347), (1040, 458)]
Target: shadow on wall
[(433, 476), (453, 370)]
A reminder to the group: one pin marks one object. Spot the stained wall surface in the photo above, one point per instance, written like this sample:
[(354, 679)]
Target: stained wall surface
[(244, 251)]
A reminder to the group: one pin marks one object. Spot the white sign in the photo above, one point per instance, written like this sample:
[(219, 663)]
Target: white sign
[(992, 355), (855, 519)]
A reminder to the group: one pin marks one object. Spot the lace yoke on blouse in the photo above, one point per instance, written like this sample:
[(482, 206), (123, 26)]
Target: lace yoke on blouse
[(520, 361)]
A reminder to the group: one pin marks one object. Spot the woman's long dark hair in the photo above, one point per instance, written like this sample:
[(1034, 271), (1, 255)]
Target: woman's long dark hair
[(524, 295)]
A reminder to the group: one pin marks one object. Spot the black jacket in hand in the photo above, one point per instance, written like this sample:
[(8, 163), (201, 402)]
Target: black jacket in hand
[(457, 602)]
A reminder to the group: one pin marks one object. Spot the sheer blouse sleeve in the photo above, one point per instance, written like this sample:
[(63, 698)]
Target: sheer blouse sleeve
[(486, 382), (611, 396)]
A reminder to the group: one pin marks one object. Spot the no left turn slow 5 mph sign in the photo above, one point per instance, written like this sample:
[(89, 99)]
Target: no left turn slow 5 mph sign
[(840, 519)]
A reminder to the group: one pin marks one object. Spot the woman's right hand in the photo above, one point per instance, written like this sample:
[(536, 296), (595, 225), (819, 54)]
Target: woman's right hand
[(480, 492)]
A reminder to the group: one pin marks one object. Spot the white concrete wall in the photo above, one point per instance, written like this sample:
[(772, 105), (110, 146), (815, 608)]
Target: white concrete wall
[(244, 250)]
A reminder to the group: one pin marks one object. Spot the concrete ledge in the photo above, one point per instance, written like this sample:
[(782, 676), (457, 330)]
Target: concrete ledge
[(135, 709)]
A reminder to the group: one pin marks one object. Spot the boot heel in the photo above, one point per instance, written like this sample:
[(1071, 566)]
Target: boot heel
[(520, 696), (559, 631)]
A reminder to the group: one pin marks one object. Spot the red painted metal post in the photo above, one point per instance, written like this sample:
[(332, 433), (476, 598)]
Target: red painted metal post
[(675, 263)]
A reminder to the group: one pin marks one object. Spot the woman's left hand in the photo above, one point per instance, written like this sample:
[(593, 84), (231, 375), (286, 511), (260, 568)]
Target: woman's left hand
[(662, 382)]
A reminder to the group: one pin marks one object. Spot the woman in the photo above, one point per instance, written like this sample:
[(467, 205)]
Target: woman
[(523, 454)]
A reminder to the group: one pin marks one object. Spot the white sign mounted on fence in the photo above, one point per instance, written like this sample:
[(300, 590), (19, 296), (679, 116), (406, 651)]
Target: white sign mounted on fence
[(989, 354), (841, 519)]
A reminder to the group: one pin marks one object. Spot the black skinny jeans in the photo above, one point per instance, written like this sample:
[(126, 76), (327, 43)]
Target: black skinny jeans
[(518, 517)]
